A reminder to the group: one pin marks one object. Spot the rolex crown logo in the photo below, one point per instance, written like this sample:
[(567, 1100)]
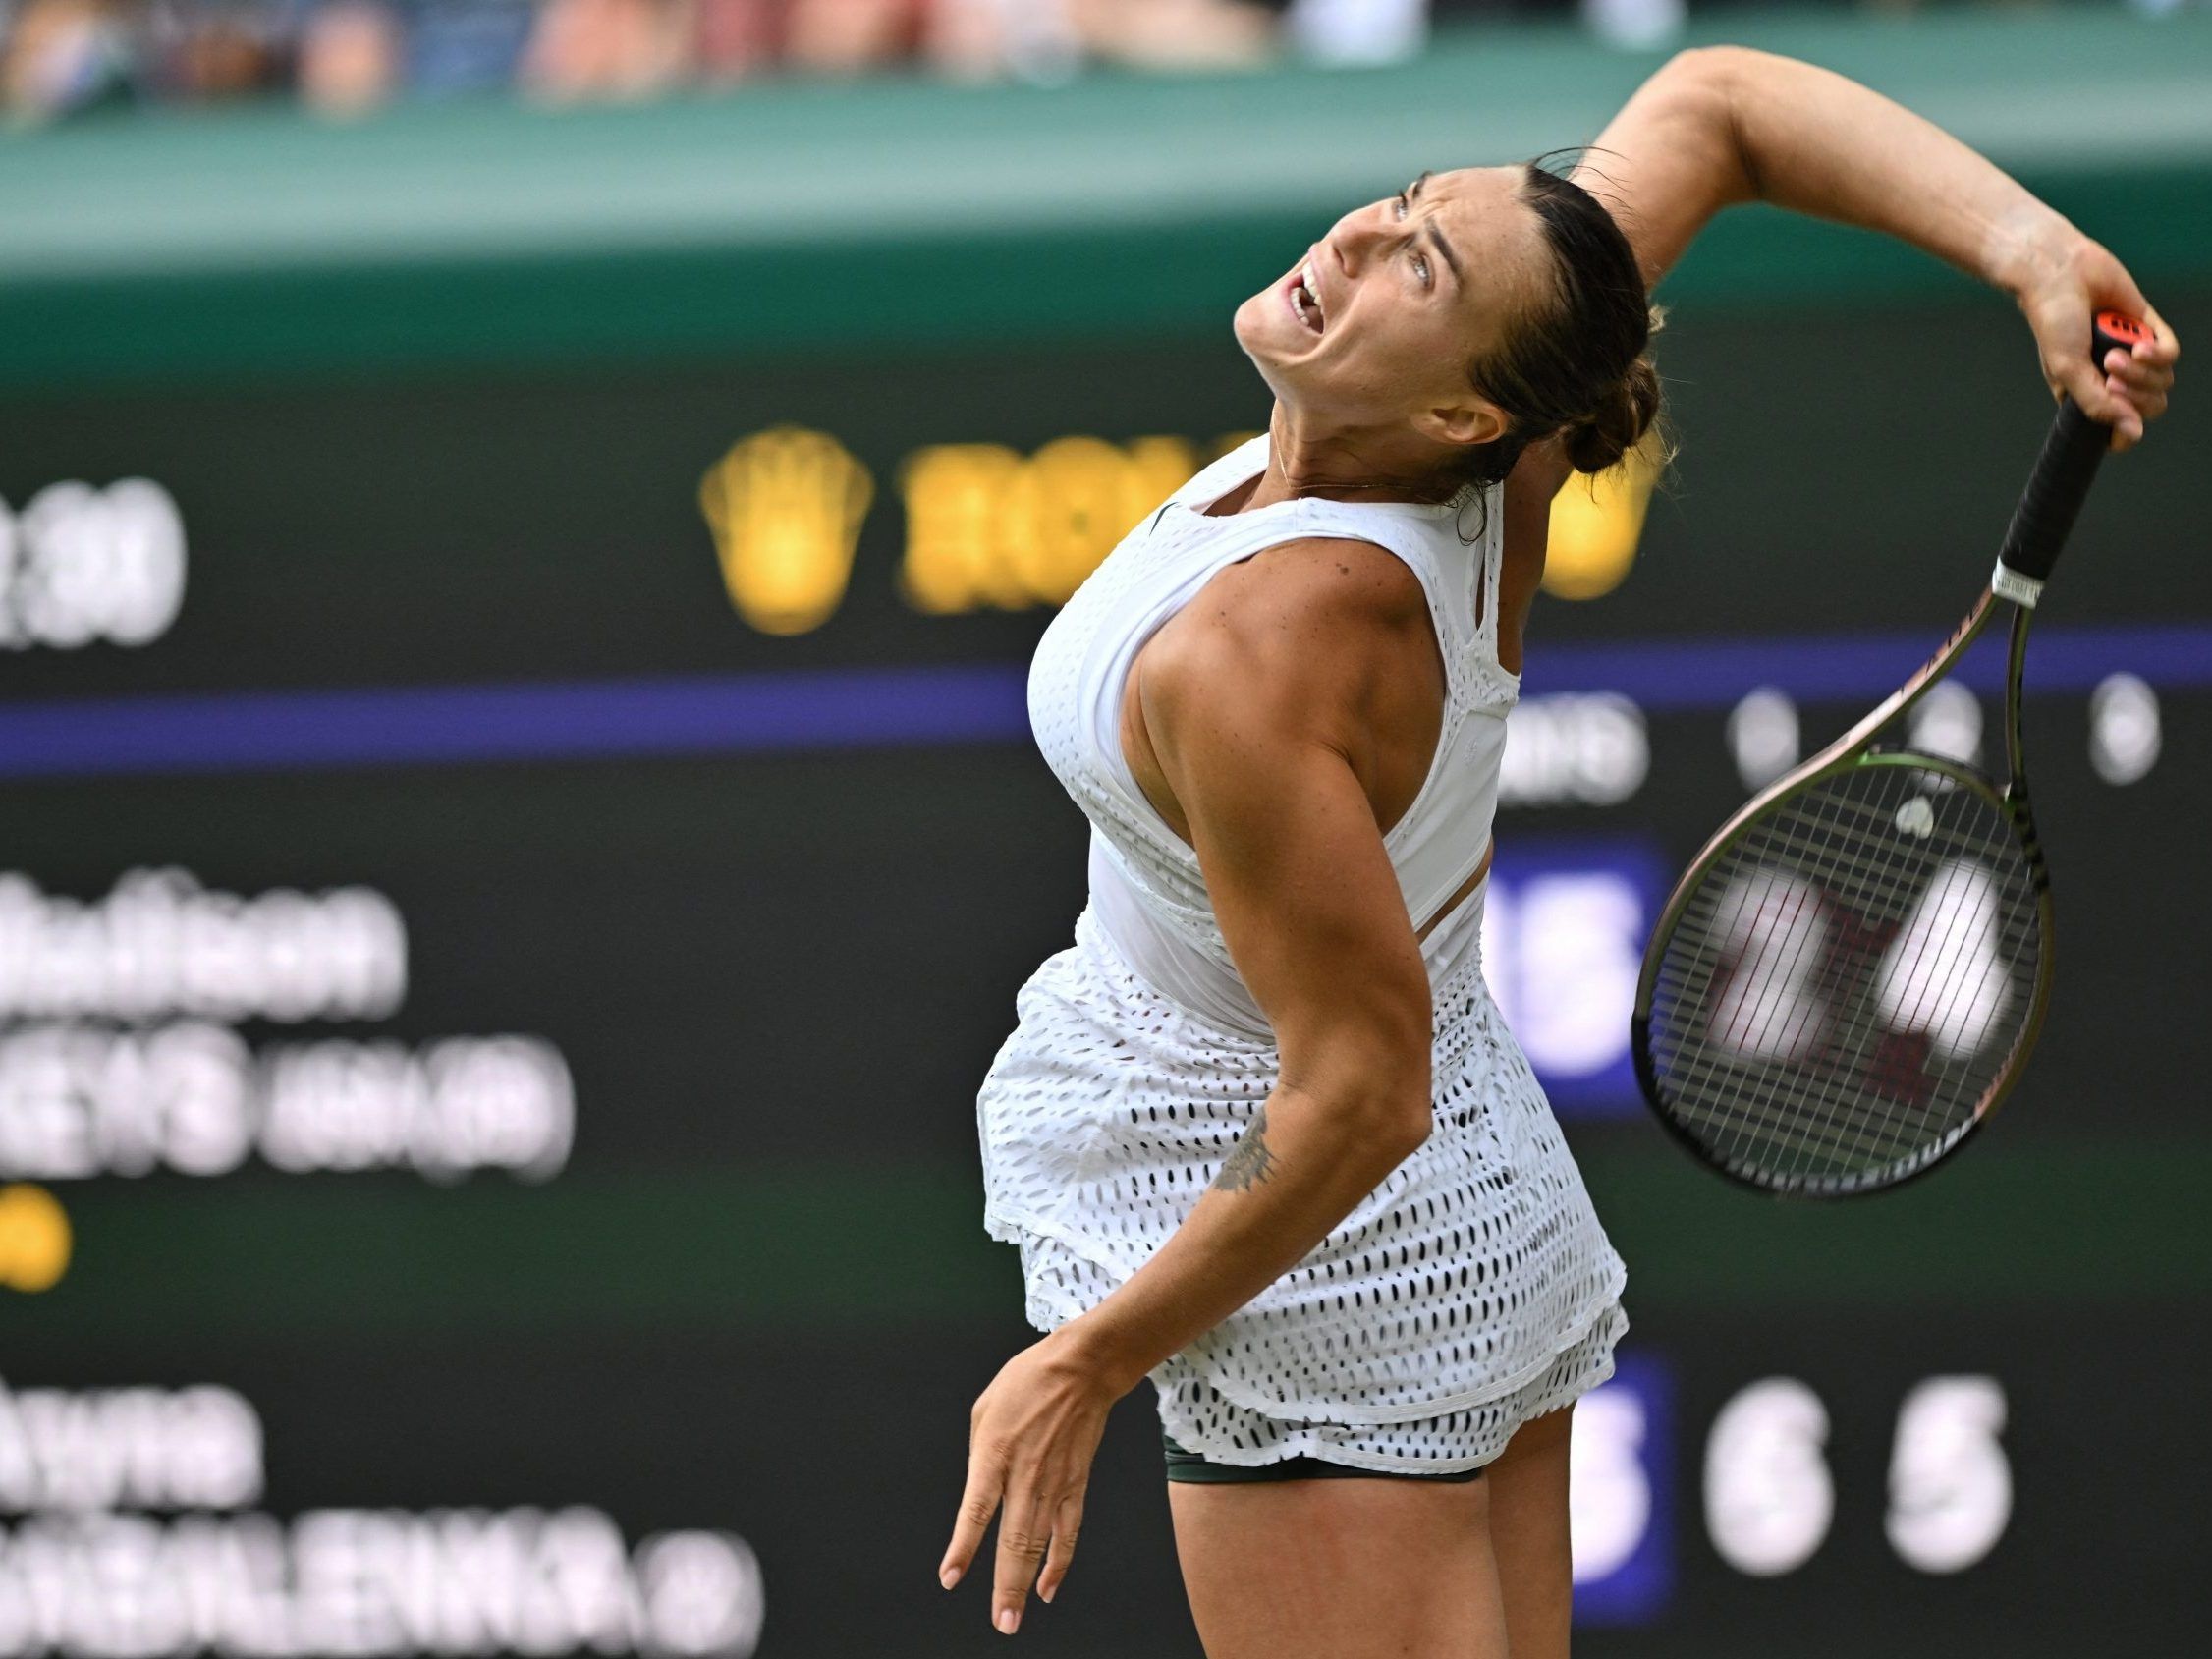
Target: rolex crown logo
[(786, 508)]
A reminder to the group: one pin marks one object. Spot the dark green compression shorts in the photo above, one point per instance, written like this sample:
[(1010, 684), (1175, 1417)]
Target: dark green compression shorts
[(1192, 1465)]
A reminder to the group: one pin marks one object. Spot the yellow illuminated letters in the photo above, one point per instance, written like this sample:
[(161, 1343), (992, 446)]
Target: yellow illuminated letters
[(987, 527), (959, 498), (786, 508), (1596, 523)]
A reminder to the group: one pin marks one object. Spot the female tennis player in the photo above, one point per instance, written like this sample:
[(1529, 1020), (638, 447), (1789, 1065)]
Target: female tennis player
[(1261, 1135)]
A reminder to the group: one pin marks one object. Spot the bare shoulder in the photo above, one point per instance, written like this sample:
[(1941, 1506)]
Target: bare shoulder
[(1307, 623)]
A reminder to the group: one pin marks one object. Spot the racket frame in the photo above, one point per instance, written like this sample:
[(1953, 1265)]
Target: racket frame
[(1855, 748)]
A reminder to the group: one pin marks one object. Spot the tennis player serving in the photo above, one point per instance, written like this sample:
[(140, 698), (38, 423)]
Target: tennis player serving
[(1262, 1135)]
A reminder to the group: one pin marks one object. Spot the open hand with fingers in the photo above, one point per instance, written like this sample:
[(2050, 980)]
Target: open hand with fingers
[(1032, 1438), (2069, 279)]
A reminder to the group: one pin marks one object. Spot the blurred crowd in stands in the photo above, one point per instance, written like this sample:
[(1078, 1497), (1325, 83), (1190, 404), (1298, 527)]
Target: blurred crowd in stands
[(344, 57)]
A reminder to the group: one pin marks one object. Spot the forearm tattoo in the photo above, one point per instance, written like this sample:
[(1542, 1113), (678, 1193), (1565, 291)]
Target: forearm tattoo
[(1249, 1162)]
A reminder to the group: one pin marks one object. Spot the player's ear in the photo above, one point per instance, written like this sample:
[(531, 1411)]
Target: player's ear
[(1464, 421)]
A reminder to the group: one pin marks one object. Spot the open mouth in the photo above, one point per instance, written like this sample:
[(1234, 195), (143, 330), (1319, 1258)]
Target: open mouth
[(1306, 305)]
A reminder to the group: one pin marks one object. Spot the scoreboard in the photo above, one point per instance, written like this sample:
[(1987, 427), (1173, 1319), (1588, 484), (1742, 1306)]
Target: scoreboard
[(510, 881)]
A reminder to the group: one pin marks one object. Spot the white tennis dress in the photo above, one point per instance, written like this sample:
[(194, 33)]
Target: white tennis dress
[(1473, 1289)]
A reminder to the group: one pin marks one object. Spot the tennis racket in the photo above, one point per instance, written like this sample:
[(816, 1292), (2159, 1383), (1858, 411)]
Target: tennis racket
[(1851, 975)]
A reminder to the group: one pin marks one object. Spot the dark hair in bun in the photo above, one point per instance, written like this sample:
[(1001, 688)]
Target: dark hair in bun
[(1576, 364), (1618, 424)]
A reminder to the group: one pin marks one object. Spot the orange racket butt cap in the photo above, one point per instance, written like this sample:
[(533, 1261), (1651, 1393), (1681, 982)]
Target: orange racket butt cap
[(2123, 328)]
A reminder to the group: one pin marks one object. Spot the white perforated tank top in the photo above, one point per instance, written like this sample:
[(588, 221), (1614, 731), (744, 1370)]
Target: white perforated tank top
[(1146, 886)]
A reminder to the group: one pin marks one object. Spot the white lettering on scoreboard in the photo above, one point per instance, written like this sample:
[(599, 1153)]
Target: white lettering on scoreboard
[(149, 1447), (1563, 931), (77, 1101), (87, 1574), (81, 564), (2126, 734), (160, 943), (1618, 1459), (1608, 1489), (1574, 749), (1951, 1486), (1569, 946), (118, 1054), (1770, 1499), (1763, 735), (1769, 1493), (367, 1583)]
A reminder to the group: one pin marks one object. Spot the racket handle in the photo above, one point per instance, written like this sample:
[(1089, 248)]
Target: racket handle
[(2061, 481)]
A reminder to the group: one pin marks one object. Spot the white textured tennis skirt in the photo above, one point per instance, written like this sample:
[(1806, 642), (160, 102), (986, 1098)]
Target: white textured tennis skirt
[(1472, 1290)]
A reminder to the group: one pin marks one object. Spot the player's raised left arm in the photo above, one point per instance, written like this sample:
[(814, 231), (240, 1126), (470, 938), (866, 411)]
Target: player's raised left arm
[(1723, 124)]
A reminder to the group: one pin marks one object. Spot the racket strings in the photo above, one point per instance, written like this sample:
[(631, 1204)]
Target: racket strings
[(1876, 1125), (1857, 872), (1845, 987), (1806, 1112)]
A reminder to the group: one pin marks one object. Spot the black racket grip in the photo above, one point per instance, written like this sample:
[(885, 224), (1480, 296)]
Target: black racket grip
[(2061, 481)]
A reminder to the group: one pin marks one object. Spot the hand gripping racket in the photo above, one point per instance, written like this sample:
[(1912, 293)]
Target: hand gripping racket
[(1851, 975)]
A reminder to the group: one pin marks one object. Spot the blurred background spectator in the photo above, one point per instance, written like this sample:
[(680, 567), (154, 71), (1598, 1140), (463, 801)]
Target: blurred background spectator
[(606, 49), (65, 58), (350, 56)]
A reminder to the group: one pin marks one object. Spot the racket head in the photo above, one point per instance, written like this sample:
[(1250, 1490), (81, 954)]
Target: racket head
[(1849, 977)]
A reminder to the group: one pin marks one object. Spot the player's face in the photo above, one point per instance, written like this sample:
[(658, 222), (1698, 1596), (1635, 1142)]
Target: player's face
[(1375, 326)]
